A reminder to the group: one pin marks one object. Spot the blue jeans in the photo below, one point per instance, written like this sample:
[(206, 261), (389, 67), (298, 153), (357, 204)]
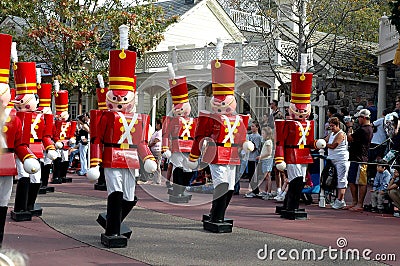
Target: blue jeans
[(83, 150), (72, 156)]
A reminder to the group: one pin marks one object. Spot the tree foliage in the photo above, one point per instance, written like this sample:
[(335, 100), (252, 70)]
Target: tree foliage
[(69, 35), (342, 34)]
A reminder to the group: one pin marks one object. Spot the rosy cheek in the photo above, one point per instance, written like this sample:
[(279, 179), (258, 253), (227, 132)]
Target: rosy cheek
[(27, 107), (228, 110), (110, 106)]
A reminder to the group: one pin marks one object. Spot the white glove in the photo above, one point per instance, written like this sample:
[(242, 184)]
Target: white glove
[(167, 154), (72, 141), (248, 146), (189, 164), (31, 165), (52, 154), (281, 166), (320, 144), (150, 166), (59, 145), (93, 174)]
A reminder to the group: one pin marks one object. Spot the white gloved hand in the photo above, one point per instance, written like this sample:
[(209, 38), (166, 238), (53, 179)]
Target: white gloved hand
[(31, 165), (189, 164), (281, 166), (72, 141), (167, 154), (52, 154), (320, 144), (93, 174), (248, 146), (59, 145), (150, 166)]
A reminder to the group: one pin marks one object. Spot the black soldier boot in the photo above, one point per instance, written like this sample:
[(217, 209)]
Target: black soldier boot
[(112, 238), (216, 223), (34, 208), (20, 212), (3, 215)]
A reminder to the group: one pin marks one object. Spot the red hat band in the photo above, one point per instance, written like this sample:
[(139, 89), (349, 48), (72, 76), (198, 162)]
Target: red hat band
[(223, 78), (11, 102), (301, 87), (25, 78), (5, 55), (179, 90), (44, 93), (122, 70), (101, 98), (61, 101)]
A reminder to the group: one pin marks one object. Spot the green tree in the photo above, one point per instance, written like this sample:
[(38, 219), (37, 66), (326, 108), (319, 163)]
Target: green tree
[(71, 35)]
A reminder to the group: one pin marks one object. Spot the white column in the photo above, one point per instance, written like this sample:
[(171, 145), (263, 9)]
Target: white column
[(140, 102), (168, 108), (153, 111), (382, 89), (201, 100)]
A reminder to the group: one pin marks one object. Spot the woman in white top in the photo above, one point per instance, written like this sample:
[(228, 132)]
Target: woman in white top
[(339, 155)]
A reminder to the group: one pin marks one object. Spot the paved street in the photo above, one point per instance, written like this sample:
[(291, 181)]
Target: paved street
[(166, 234)]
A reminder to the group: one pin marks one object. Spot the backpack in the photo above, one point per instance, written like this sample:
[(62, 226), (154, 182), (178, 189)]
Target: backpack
[(329, 178)]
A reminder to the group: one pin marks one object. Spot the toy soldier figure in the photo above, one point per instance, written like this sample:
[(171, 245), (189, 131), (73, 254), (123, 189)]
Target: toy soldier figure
[(44, 93), (294, 139), (11, 143), (95, 116), (225, 132), (121, 138), (36, 129), (178, 133), (63, 136)]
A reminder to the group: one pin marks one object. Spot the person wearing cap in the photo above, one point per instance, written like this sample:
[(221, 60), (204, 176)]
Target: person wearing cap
[(63, 134), (95, 116), (37, 130), (121, 138), (221, 132), (178, 132), (11, 142), (294, 139), (360, 141)]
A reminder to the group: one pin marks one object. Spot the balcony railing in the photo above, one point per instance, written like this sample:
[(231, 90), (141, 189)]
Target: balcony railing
[(249, 22)]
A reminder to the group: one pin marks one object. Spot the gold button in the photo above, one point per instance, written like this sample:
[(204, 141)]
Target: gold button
[(122, 129), (238, 124), (235, 131), (5, 129), (36, 127), (300, 134), (8, 119), (128, 120), (224, 122), (226, 130), (137, 121), (120, 120), (133, 129)]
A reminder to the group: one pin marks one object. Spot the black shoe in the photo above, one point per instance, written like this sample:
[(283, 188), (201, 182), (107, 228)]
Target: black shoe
[(235, 193)]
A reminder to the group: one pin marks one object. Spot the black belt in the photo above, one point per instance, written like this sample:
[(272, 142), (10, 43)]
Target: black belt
[(189, 138), (221, 144), (297, 146), (37, 141), (115, 145), (4, 150)]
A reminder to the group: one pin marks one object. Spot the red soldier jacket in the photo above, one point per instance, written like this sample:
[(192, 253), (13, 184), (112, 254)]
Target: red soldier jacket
[(95, 116), (37, 130), (224, 134), (294, 139), (121, 139), (12, 143), (178, 133), (63, 131)]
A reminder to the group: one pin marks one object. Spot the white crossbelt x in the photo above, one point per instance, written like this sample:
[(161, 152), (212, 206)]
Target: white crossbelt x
[(33, 131), (127, 134), (186, 126), (64, 128), (231, 129), (304, 131)]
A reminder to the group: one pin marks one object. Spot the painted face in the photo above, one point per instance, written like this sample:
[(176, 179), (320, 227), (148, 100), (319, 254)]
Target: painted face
[(5, 95), (26, 103), (63, 116), (46, 110), (120, 101), (299, 111), (225, 106), (182, 109)]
